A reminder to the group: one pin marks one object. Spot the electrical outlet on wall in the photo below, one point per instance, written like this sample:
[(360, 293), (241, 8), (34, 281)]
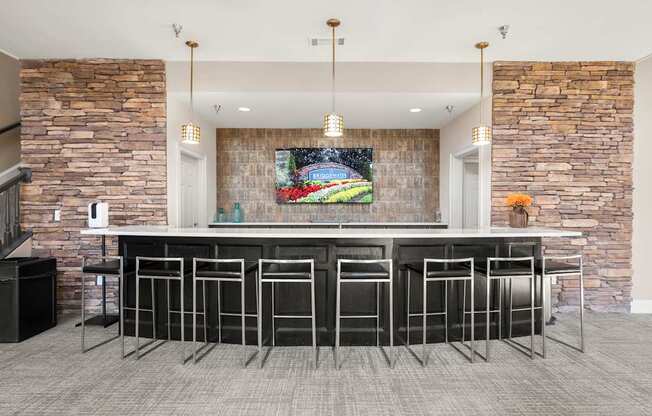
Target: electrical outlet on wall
[(57, 215), (98, 280)]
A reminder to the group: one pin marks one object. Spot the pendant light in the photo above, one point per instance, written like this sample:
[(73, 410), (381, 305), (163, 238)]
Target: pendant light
[(481, 135), (190, 133), (333, 122)]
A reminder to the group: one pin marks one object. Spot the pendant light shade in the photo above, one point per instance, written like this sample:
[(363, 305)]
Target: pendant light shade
[(333, 125), (333, 122), (481, 135), (191, 133)]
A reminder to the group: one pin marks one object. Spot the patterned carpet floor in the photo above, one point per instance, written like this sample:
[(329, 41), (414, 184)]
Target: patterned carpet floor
[(47, 375)]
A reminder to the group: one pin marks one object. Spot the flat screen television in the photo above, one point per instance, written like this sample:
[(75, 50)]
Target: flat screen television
[(324, 176)]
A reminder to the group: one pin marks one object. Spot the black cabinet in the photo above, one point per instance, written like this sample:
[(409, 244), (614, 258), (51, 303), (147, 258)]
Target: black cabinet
[(28, 303)]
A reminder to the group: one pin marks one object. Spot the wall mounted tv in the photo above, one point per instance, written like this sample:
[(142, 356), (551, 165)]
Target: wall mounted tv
[(324, 176)]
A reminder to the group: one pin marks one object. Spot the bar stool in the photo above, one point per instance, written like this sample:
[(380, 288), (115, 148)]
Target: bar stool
[(220, 270), (365, 271), (159, 268), (443, 271), (509, 268), (107, 265), (298, 271), (553, 267)]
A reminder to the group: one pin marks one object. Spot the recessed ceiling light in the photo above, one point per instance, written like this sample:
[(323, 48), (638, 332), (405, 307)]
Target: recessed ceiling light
[(244, 109), (415, 110)]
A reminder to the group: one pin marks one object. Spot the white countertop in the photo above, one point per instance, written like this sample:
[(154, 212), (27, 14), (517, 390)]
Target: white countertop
[(166, 231), (328, 224)]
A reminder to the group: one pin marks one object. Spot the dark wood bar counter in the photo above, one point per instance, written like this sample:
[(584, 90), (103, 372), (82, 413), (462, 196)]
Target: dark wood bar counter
[(325, 246)]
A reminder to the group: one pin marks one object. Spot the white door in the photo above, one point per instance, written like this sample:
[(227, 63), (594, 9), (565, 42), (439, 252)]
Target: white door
[(189, 187), (470, 194)]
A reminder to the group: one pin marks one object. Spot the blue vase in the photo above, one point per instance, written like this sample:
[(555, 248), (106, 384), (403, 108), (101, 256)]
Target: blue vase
[(238, 215), (221, 216)]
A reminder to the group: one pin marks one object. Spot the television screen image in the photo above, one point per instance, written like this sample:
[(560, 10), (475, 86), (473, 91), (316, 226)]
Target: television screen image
[(324, 176)]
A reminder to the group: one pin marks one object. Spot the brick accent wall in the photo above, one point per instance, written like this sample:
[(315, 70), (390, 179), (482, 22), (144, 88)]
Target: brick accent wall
[(406, 174), (563, 132), (92, 129)]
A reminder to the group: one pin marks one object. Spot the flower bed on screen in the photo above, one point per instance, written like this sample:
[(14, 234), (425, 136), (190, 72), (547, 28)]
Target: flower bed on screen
[(338, 191)]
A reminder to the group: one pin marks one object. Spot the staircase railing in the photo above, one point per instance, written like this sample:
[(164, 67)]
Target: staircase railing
[(11, 234), (9, 127)]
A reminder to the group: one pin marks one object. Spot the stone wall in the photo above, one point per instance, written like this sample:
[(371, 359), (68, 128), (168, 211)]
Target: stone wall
[(405, 170), (563, 132), (92, 130)]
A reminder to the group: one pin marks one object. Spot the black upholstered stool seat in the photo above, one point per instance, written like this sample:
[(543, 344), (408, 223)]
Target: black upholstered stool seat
[(103, 267), (556, 267), (159, 271), (363, 270), (440, 269), (499, 268)]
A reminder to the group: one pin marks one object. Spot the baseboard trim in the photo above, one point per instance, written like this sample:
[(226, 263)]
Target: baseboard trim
[(642, 306)]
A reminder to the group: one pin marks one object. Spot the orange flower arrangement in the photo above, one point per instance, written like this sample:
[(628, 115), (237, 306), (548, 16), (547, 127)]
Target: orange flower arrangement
[(518, 200)]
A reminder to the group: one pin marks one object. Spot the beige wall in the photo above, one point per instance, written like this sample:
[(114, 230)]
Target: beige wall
[(642, 239), (178, 114), (455, 138), (9, 111)]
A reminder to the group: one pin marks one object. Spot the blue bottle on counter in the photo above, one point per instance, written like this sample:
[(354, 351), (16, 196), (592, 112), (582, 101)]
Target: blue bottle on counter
[(221, 216), (238, 215)]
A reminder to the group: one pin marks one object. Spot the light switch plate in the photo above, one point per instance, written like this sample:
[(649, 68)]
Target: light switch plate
[(57, 215), (98, 280)]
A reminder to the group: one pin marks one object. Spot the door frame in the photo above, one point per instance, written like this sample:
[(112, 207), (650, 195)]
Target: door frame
[(201, 159), (456, 183)]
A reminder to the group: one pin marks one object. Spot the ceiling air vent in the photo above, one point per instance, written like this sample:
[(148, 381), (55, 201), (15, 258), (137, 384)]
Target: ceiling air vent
[(325, 41)]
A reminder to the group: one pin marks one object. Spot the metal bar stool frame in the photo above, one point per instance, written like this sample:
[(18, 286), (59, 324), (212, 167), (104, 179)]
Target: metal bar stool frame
[(424, 314), (580, 273), (237, 277), (181, 312), (502, 278), (338, 317), (277, 277), (120, 275), (543, 307)]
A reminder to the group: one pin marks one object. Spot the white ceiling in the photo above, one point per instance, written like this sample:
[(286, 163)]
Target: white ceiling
[(296, 95), (397, 55), (306, 110), (375, 30)]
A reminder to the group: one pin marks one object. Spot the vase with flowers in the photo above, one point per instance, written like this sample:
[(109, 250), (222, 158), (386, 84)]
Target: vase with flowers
[(518, 216)]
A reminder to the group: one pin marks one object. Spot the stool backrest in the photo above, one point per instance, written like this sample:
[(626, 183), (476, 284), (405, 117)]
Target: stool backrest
[(286, 269), (506, 263), (221, 265), (350, 269), (160, 263)]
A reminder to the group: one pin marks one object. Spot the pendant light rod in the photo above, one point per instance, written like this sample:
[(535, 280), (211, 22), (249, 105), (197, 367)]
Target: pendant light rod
[(333, 123), (333, 23), (482, 46), (482, 134), (192, 45), (190, 132)]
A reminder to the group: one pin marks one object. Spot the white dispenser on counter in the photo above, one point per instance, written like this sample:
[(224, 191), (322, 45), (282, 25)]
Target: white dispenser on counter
[(98, 215)]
